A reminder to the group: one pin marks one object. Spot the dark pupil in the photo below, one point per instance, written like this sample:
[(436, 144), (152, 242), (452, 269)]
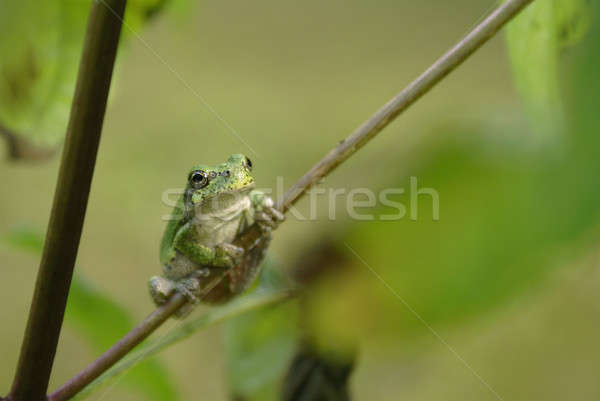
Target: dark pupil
[(249, 162), (197, 177)]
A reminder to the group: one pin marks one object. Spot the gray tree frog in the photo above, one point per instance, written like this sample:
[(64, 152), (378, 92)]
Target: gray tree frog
[(197, 252)]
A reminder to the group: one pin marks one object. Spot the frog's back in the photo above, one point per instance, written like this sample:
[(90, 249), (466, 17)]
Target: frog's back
[(173, 225)]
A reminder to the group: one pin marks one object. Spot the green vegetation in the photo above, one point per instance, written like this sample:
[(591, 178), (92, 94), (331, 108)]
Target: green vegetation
[(507, 276)]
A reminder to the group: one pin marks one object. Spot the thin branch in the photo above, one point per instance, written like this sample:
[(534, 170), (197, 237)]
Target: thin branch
[(392, 109), (214, 316), (119, 350), (435, 73), (70, 202)]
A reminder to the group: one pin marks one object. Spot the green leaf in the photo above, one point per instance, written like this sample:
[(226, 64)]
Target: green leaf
[(535, 39), (38, 66), (572, 19), (26, 239), (260, 344), (101, 321), (257, 299), (40, 60), (506, 219)]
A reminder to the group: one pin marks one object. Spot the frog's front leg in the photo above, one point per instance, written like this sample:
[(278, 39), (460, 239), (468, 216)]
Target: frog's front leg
[(187, 242), (223, 255), (227, 255), (266, 215)]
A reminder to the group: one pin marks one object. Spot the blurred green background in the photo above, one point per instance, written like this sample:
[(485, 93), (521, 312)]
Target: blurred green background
[(508, 277)]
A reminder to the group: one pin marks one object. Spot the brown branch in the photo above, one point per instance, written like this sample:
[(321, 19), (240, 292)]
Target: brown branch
[(70, 201), (436, 72), (119, 350), (392, 109)]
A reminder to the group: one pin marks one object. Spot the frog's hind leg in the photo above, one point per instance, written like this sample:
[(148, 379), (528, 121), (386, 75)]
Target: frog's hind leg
[(162, 288), (188, 287)]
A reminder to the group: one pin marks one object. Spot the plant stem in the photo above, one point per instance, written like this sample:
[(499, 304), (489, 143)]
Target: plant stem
[(384, 116), (212, 317), (70, 201), (119, 350), (392, 109)]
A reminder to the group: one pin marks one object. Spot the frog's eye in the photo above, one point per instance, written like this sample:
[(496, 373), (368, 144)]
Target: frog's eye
[(248, 163), (198, 179)]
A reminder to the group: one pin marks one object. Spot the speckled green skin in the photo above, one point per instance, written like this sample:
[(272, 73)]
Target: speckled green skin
[(197, 253)]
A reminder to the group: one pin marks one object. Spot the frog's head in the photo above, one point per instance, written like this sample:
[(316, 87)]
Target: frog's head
[(221, 183)]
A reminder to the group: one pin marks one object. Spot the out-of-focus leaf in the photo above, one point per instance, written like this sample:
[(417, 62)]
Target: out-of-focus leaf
[(260, 345), (38, 66), (40, 58), (259, 298), (26, 239), (314, 375), (572, 20), (535, 39), (505, 218), (101, 321)]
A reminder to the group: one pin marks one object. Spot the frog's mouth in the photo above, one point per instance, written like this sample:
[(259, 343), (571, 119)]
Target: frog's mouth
[(226, 198), (244, 189)]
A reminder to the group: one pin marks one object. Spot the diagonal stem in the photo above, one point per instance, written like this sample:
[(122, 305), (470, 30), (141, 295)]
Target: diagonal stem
[(70, 202), (415, 90), (119, 350), (384, 116)]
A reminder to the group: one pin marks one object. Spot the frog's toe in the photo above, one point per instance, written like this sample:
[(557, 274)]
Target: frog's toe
[(276, 214), (231, 250), (228, 255), (265, 222), (270, 218), (267, 202), (188, 287)]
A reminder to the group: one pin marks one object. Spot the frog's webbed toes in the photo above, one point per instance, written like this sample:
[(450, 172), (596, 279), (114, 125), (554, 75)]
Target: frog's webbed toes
[(231, 250), (228, 255), (266, 215), (277, 215), (269, 218), (188, 287)]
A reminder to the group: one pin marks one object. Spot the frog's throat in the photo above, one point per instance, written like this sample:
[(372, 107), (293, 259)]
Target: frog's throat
[(224, 200)]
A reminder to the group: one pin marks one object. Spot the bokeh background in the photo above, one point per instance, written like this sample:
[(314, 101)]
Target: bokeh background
[(506, 281)]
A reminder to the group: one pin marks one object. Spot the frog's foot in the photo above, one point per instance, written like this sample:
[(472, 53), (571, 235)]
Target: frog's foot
[(188, 287), (267, 216), (269, 219), (228, 255), (160, 289)]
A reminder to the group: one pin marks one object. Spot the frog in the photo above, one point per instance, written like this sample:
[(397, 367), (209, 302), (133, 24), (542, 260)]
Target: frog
[(197, 252)]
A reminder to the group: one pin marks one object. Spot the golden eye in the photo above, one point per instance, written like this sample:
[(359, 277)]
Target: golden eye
[(248, 163), (198, 179)]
